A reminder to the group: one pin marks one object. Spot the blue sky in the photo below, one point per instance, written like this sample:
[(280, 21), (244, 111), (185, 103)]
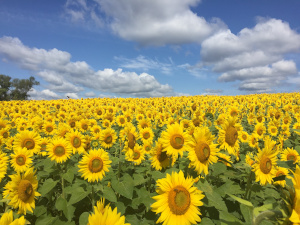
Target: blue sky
[(151, 48)]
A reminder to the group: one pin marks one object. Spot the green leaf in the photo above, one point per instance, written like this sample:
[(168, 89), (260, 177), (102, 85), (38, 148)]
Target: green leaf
[(240, 200), (262, 208), (62, 205), (247, 212), (109, 194), (124, 187), (77, 195), (144, 197), (218, 168), (229, 218), (48, 185), (45, 220), (68, 176), (39, 210), (83, 219), (138, 179), (120, 207), (207, 221), (132, 219), (157, 175)]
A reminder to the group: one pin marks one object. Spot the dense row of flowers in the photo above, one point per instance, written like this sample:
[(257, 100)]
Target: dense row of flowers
[(175, 160)]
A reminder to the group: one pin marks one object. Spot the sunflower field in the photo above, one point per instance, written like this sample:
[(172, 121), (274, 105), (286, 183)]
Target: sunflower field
[(170, 160)]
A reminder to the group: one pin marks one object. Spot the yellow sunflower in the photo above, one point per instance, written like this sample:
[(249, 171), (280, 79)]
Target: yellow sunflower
[(175, 141), (244, 137), (107, 138), (21, 191), (229, 134), (273, 130), (76, 141), (295, 217), (94, 165), (290, 154), (146, 134), (226, 159), (204, 151), (3, 164), (259, 130), (44, 143), (135, 155), (21, 159), (104, 215), (159, 158), (130, 136), (178, 200), (121, 120), (59, 150), (265, 166), (253, 142), (8, 219), (28, 139), (49, 128), (4, 133), (280, 171)]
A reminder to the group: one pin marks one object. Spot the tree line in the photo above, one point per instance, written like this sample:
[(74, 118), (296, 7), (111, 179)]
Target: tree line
[(16, 89)]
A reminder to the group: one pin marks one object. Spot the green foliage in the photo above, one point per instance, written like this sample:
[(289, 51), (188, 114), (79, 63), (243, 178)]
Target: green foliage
[(17, 89)]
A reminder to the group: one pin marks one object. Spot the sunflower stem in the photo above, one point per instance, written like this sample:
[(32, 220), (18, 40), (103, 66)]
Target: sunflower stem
[(249, 185), (93, 195)]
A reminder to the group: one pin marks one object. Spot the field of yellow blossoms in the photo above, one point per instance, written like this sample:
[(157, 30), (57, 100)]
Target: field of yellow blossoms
[(171, 160)]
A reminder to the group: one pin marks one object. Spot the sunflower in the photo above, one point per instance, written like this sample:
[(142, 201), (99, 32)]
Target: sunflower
[(295, 217), (21, 159), (185, 124), (280, 171), (265, 166), (21, 191), (147, 147), (259, 130), (159, 158), (121, 120), (144, 123), (178, 200), (146, 134), (59, 150), (76, 141), (8, 219), (94, 165), (107, 138), (44, 143), (135, 155), (204, 151), (28, 139), (130, 136), (105, 215), (83, 125), (106, 123), (96, 129), (249, 158), (244, 137), (290, 154), (3, 164), (175, 141), (229, 134), (296, 128), (253, 142), (49, 128), (226, 159), (273, 130), (4, 133)]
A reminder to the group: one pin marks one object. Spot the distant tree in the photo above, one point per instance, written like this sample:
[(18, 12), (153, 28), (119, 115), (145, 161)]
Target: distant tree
[(5, 85), (17, 89)]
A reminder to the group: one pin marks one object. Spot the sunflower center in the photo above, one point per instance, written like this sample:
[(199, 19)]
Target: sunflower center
[(186, 125), (136, 155), (25, 190), (233, 113), (177, 141), (277, 115), (97, 130), (291, 157), (131, 140), (259, 132), (108, 139), (273, 130), (99, 112), (161, 156), (28, 143), (59, 150), (231, 136), (196, 122), (179, 200), (5, 135), (20, 160), (144, 125), (279, 173), (147, 148), (244, 136), (259, 119), (84, 126), (76, 142), (266, 165), (96, 165), (49, 129), (146, 135), (43, 147), (202, 151)]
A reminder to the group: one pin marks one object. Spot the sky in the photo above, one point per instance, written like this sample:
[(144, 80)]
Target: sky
[(151, 48)]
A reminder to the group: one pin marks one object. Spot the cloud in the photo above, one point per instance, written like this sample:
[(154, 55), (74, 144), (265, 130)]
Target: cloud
[(90, 94), (45, 94), (253, 56), (64, 76), (149, 22), (143, 63)]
